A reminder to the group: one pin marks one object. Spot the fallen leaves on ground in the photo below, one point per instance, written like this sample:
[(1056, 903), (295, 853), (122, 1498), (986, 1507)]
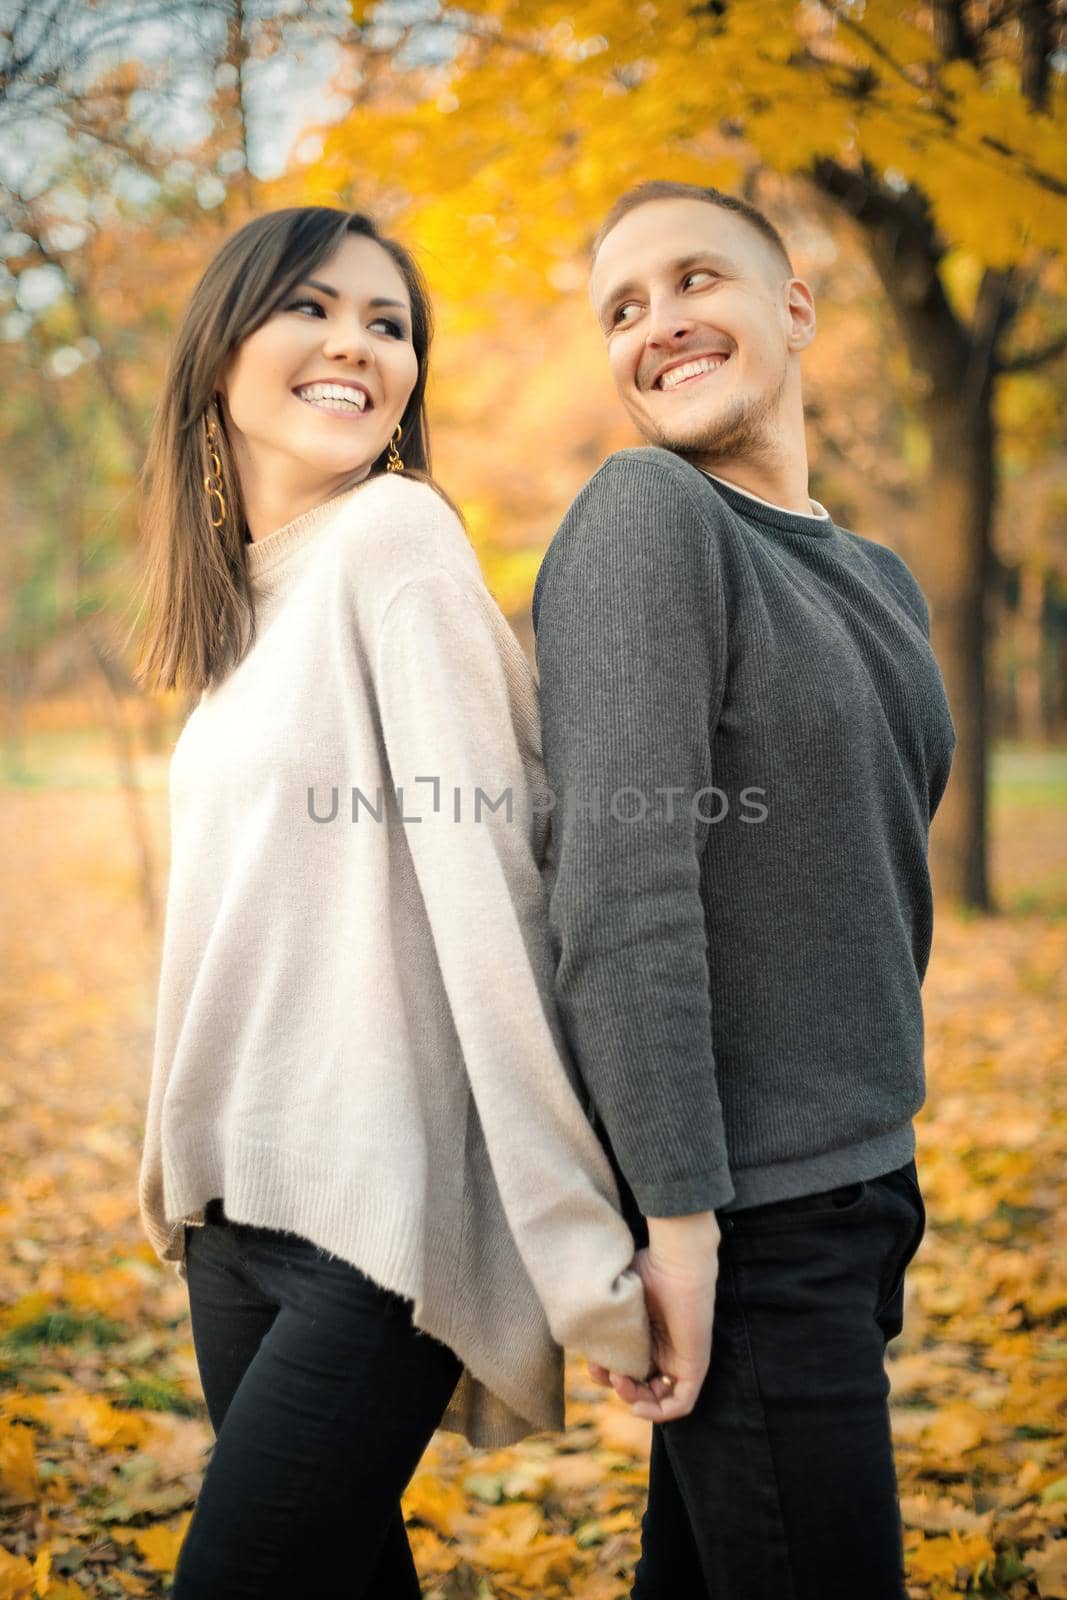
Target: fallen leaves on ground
[(103, 1430)]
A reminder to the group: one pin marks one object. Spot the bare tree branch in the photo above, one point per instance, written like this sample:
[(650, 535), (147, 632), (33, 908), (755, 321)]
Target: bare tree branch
[(25, 77), (103, 365), (1031, 360), (995, 309)]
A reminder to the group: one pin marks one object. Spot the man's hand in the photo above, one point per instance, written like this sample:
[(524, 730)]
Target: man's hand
[(679, 1271)]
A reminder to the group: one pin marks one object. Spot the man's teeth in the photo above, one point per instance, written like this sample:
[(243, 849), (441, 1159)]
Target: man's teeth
[(334, 393), (679, 374)]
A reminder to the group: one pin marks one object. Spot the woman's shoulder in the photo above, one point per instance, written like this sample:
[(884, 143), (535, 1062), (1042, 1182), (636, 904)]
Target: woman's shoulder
[(398, 528)]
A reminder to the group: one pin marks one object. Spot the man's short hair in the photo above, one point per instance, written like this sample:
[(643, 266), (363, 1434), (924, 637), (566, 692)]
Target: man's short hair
[(664, 189)]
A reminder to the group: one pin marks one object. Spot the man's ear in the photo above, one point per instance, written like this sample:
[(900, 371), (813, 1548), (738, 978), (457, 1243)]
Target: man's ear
[(800, 310)]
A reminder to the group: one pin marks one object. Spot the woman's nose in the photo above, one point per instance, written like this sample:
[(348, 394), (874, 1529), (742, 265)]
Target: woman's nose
[(351, 341)]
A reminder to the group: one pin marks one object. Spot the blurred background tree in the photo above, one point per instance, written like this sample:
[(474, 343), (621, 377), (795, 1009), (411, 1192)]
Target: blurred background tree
[(913, 157), (936, 131)]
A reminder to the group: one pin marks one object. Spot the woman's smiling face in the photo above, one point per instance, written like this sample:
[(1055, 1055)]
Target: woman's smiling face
[(348, 324)]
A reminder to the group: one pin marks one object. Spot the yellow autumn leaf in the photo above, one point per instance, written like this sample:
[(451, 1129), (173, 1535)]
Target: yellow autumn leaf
[(159, 1544), (954, 1430), (78, 1412), (115, 1292), (505, 1533), (432, 1556), (18, 1462), (16, 1577), (26, 1310), (42, 1571), (435, 1502), (951, 1556)]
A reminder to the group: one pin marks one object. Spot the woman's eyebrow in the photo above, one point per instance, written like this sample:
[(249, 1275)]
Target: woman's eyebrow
[(314, 283)]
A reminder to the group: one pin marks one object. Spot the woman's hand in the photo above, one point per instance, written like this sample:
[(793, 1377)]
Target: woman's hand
[(679, 1272)]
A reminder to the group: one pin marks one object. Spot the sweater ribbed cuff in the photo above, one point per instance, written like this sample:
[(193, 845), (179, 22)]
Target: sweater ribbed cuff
[(681, 1197)]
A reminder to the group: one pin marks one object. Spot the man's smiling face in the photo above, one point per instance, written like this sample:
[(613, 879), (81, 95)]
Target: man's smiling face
[(698, 311)]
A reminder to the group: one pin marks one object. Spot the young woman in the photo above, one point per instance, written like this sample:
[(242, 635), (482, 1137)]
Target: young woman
[(365, 1149)]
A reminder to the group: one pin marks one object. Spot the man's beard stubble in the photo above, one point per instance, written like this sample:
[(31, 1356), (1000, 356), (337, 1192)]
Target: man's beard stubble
[(744, 431)]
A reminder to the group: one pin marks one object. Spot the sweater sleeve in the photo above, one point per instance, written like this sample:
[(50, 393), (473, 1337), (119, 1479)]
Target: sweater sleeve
[(631, 649), (447, 722), (907, 585)]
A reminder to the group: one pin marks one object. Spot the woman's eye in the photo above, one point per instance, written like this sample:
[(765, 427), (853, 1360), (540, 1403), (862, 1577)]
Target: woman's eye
[(395, 330)]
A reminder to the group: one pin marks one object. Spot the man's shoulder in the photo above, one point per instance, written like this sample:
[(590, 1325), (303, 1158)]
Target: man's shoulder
[(895, 571), (639, 488), (647, 472), (643, 508)]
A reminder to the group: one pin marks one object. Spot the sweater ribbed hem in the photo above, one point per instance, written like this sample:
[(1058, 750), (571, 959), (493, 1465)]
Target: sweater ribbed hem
[(782, 1180), (265, 1187), (680, 1197)]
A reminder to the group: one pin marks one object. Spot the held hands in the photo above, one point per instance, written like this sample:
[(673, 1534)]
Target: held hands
[(679, 1271)]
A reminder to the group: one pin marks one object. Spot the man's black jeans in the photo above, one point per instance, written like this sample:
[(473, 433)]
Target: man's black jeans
[(780, 1484), (323, 1396)]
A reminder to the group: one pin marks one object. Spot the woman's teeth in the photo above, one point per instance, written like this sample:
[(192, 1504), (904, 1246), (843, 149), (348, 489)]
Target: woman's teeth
[(334, 398)]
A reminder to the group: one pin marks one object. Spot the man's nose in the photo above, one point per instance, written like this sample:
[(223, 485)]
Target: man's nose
[(668, 322)]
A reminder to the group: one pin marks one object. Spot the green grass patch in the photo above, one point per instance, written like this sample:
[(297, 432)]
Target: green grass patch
[(1024, 776), (65, 1327), (155, 1394)]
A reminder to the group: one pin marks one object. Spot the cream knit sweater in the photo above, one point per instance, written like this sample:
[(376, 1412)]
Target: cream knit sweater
[(356, 1040)]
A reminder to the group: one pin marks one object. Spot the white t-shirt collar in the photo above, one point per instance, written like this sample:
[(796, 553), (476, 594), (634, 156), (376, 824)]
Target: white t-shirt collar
[(818, 512)]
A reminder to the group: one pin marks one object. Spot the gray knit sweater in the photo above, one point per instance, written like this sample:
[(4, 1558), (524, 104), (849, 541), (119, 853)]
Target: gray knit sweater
[(740, 933)]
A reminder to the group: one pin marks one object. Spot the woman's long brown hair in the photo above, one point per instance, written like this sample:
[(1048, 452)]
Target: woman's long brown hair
[(195, 582)]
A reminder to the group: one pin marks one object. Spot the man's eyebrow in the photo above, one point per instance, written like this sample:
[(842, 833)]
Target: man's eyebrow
[(314, 283), (702, 258)]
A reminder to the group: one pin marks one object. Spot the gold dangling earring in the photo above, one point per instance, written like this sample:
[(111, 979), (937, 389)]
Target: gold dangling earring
[(394, 463), (214, 488)]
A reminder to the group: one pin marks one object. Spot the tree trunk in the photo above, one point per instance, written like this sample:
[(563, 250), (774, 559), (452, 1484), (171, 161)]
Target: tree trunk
[(954, 572), (957, 367)]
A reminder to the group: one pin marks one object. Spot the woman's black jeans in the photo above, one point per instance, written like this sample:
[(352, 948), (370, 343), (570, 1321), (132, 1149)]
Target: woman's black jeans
[(323, 1396), (780, 1484)]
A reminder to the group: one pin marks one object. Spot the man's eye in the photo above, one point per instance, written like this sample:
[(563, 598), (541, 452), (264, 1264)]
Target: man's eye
[(619, 310), (701, 272)]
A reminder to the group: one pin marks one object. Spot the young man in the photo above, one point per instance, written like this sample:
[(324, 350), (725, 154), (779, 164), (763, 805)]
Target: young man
[(745, 736)]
